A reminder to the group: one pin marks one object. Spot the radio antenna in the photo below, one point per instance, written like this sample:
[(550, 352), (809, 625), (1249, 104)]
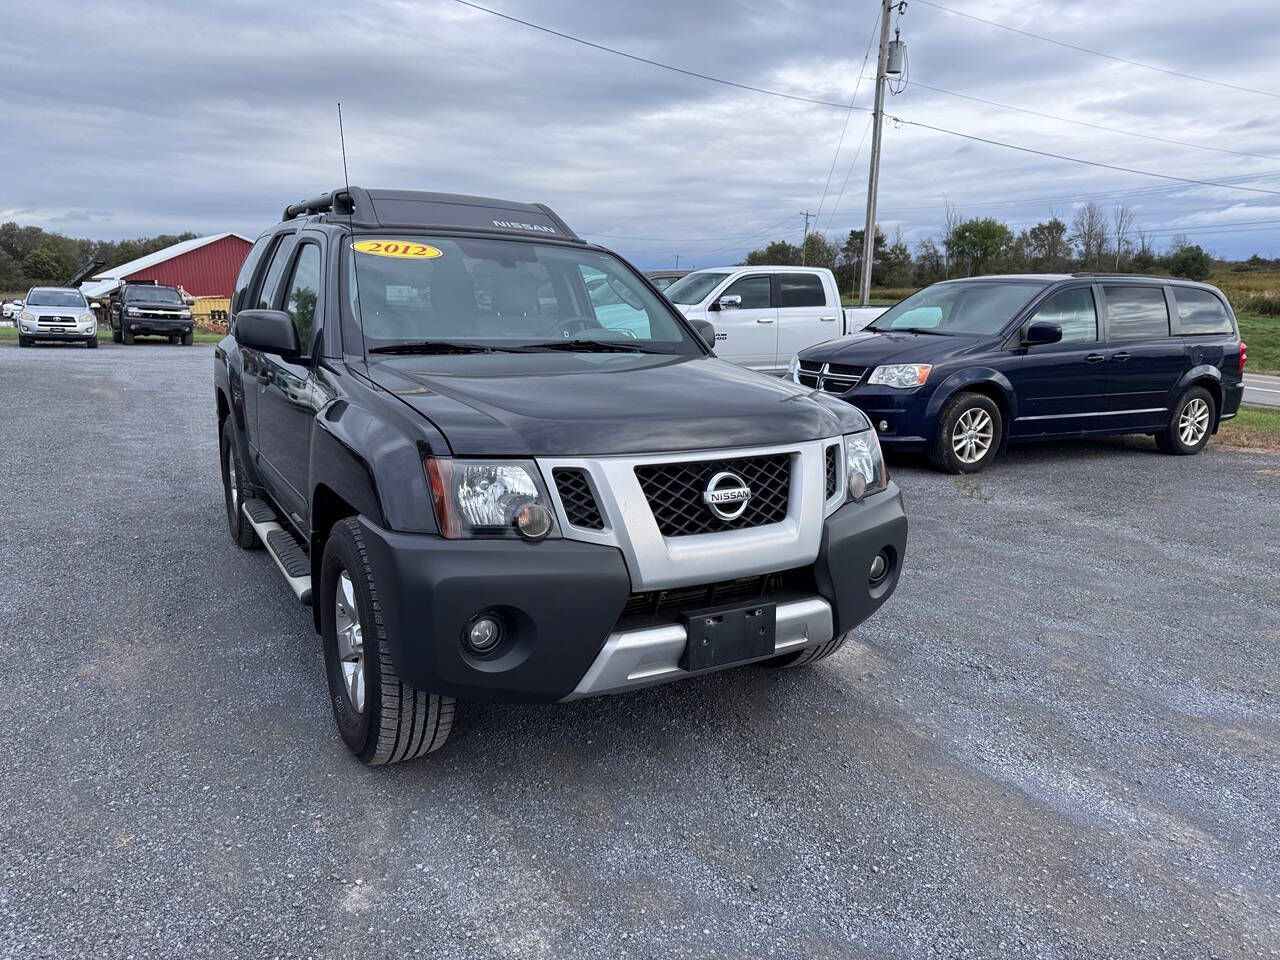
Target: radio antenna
[(351, 205)]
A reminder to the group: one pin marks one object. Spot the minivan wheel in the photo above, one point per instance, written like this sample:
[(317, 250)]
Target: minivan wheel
[(1190, 423), (233, 491), (969, 433), (381, 719)]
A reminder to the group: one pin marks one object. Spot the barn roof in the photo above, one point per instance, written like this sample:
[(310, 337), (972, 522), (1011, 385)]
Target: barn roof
[(160, 256)]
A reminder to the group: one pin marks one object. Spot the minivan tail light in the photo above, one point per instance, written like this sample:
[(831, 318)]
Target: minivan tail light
[(1244, 355)]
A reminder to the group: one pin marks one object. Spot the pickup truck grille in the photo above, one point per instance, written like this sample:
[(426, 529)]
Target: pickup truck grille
[(674, 492), (578, 500), (830, 377)]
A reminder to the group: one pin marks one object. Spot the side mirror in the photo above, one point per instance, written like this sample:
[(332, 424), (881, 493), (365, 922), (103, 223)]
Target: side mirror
[(270, 331), (1040, 333), (707, 331), (731, 302)]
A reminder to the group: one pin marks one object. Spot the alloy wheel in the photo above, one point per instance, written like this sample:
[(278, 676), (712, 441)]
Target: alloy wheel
[(1193, 422), (350, 640), (972, 435)]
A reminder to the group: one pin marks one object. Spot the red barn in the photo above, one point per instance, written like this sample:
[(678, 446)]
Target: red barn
[(204, 267)]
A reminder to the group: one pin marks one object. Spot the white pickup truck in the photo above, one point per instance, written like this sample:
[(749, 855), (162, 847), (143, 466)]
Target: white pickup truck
[(764, 316)]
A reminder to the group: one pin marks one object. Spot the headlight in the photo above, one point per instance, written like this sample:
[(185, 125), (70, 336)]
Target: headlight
[(85, 318), (904, 375), (28, 315), (866, 473), (793, 371), (185, 314), (490, 498), (132, 311)]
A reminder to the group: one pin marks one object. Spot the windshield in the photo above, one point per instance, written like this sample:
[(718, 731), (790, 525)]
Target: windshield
[(978, 307), (55, 298), (504, 294), (146, 294), (693, 288)]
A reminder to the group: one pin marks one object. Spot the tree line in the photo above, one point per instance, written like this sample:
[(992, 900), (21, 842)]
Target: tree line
[(1094, 240), (31, 255)]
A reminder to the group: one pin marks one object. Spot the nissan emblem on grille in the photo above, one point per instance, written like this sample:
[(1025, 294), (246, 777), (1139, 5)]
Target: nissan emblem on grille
[(727, 495)]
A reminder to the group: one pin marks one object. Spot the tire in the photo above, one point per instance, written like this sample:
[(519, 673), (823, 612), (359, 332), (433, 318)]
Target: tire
[(188, 339), (1190, 423), (982, 415), (386, 721), (115, 335), (23, 341), (802, 658), (173, 339), (126, 335), (233, 490), (92, 343)]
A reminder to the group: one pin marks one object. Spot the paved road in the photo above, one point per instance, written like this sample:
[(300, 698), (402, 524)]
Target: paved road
[(1060, 739), (1261, 391)]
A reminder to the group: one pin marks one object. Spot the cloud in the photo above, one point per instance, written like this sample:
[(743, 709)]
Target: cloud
[(227, 112)]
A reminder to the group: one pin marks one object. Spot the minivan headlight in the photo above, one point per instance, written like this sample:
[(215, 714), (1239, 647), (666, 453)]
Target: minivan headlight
[(904, 375), (490, 499), (865, 470), (793, 371)]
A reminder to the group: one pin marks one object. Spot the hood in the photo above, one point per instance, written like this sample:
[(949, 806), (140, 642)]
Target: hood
[(870, 348), (600, 404)]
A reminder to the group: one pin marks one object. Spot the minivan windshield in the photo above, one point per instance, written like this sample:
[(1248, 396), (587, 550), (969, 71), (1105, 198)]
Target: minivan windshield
[(693, 288), (972, 307), (147, 294), (466, 294), (55, 298)]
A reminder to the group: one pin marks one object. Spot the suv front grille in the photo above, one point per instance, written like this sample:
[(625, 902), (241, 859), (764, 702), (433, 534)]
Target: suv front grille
[(579, 502), (674, 492), (830, 377), (833, 469)]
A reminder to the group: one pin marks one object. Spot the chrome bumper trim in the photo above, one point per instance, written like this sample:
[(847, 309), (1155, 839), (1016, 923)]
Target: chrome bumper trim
[(639, 658)]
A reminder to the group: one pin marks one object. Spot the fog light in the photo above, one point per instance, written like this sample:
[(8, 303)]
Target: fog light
[(483, 634), (533, 521), (879, 567), (857, 485), (884, 426)]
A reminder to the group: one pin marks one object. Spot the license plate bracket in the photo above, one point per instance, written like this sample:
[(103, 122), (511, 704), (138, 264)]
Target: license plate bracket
[(718, 636)]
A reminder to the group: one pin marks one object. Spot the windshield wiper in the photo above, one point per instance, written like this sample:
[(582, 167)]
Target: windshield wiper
[(591, 346), (444, 346), (929, 330)]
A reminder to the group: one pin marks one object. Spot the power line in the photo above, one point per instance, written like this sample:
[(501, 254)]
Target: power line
[(658, 63), (1099, 53), (848, 173), (1091, 163), (1095, 126)]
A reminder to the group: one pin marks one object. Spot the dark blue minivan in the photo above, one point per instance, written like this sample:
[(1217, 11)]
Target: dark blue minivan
[(964, 367)]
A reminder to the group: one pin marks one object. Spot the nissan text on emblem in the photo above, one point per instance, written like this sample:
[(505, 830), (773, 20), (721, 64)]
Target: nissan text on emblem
[(726, 495)]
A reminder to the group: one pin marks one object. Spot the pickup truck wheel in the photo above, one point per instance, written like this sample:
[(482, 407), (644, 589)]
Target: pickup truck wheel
[(381, 719), (115, 335), (188, 339), (969, 432), (126, 335), (233, 491), (802, 658), (1190, 423)]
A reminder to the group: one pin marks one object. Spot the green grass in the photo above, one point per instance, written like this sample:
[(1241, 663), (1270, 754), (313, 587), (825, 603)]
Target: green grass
[(1262, 334), (1253, 428), (104, 336)]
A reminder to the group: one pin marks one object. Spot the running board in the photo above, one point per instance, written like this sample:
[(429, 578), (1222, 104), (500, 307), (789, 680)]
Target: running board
[(283, 547)]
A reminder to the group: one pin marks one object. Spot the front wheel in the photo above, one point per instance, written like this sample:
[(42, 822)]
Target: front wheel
[(1190, 423), (92, 343), (126, 335), (969, 433), (233, 491), (23, 341), (188, 339), (381, 719)]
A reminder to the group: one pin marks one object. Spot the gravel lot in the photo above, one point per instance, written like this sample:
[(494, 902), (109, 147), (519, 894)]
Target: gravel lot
[(1061, 738)]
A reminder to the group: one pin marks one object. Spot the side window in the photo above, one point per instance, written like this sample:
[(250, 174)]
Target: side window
[(1074, 312), (800, 290), (304, 295), (1136, 313), (266, 292), (246, 274), (1199, 311), (753, 290)]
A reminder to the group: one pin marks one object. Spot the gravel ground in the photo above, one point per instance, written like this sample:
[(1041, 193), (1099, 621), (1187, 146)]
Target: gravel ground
[(1061, 738)]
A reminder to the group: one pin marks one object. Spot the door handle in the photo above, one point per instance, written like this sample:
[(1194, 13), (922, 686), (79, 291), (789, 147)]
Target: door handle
[(764, 320), (1122, 356), (827, 319), (1095, 358)]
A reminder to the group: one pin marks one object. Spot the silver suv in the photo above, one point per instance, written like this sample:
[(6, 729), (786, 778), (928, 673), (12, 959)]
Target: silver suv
[(57, 313)]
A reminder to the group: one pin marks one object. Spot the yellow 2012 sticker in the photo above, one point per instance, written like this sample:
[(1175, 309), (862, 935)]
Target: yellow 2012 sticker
[(406, 249)]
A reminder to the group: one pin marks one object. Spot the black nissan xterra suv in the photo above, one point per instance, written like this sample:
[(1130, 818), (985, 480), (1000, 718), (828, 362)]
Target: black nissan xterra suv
[(490, 487)]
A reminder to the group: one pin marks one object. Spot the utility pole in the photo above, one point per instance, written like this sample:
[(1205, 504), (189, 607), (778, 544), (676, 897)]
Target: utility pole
[(873, 180), (804, 242)]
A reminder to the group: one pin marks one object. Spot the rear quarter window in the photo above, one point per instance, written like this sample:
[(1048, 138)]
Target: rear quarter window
[(1200, 311), (801, 290)]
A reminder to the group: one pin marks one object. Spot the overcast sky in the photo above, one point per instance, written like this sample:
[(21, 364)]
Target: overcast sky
[(128, 118)]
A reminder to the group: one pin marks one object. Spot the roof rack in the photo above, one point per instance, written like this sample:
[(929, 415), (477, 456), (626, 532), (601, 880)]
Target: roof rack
[(443, 211)]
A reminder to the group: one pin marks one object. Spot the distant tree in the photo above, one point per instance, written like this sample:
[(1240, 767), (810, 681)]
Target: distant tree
[(1122, 218), (41, 266), (1191, 263), (1144, 256), (1045, 245), (779, 252), (819, 251), (849, 262), (11, 275), (896, 263), (930, 263), (1089, 235), (976, 246)]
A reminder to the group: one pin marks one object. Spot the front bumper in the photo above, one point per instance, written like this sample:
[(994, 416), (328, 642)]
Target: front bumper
[(898, 416), (560, 602), (156, 328), (69, 333)]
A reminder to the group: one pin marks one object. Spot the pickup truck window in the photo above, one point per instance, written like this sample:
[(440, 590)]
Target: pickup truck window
[(753, 290), (801, 290), (693, 288), (506, 293), (975, 308), (144, 293)]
